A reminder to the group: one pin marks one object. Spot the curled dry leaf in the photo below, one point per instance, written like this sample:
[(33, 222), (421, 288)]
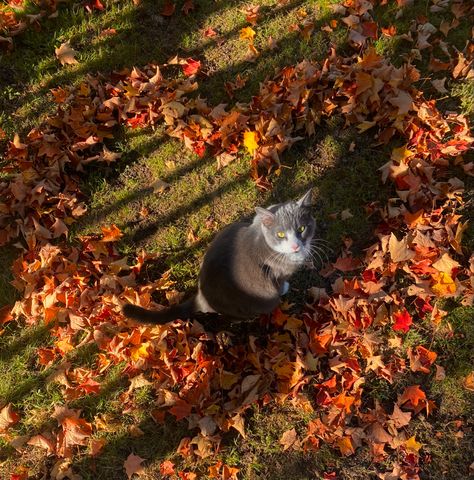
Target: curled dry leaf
[(66, 54), (8, 417)]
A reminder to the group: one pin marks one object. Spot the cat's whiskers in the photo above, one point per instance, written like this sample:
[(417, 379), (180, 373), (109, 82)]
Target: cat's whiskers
[(276, 258), (318, 251), (312, 255), (320, 242)]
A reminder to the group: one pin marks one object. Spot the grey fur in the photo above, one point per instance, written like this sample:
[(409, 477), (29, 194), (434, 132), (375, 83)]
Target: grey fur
[(247, 267)]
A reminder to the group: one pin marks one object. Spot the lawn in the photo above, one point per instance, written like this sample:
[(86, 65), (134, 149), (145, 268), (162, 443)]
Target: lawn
[(101, 205)]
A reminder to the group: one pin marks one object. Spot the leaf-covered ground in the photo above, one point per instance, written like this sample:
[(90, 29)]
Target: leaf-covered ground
[(131, 132)]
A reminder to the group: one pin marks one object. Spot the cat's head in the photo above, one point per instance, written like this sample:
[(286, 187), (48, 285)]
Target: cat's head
[(288, 227)]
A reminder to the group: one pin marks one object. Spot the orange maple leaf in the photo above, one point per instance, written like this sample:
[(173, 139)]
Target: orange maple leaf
[(111, 234), (412, 394)]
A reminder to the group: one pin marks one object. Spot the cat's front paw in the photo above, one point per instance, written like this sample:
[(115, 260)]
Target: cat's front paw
[(284, 288)]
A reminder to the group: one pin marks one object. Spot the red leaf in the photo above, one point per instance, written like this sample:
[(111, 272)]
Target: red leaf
[(187, 7), (346, 264), (369, 29), (191, 67), (403, 320), (199, 148), (167, 468), (5, 314), (90, 5), (180, 409), (209, 32), (168, 9)]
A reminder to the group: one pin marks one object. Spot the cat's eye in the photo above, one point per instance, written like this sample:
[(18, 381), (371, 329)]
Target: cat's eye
[(302, 228), (281, 234)]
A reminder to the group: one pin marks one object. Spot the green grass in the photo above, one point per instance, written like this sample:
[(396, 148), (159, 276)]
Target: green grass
[(203, 199)]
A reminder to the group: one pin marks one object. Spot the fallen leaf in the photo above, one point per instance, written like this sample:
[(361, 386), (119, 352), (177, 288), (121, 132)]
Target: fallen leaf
[(411, 445), (42, 442), (159, 186), (168, 9), (209, 32), (345, 445), (403, 321), (288, 439), (133, 465), (111, 234), (191, 67), (251, 141), (399, 249), (8, 417), (439, 85), (247, 33), (66, 54), (167, 468), (412, 394), (444, 285), (469, 382)]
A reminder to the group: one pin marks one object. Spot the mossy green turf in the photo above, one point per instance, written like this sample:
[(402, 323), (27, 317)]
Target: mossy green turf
[(180, 221)]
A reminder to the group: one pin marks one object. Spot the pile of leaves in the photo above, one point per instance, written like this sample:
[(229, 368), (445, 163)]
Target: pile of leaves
[(319, 359)]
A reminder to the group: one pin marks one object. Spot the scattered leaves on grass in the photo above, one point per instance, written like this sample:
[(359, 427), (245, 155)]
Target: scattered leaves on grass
[(335, 342), (66, 54)]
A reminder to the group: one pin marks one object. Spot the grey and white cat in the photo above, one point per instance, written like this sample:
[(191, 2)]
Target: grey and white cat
[(247, 267)]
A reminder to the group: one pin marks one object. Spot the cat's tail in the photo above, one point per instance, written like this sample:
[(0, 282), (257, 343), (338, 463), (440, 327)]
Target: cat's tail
[(183, 311)]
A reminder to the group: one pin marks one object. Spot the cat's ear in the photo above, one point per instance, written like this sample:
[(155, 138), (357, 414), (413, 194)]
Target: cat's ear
[(306, 200), (266, 217)]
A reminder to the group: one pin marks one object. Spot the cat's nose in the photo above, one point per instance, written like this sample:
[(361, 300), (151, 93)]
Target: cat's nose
[(295, 247)]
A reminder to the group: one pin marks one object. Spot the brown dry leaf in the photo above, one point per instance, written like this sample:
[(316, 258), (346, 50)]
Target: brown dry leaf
[(399, 250), (378, 434), (440, 373), (399, 417), (439, 85), (159, 186), (289, 439), (133, 465), (42, 442), (8, 417), (446, 264), (66, 54), (96, 446), (76, 431)]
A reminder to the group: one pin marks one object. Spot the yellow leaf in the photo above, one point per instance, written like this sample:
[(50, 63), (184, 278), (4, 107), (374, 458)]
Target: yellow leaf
[(345, 445), (140, 352), (247, 33), (228, 379), (250, 141), (293, 324), (131, 91), (444, 284), (64, 345), (411, 445), (401, 154)]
